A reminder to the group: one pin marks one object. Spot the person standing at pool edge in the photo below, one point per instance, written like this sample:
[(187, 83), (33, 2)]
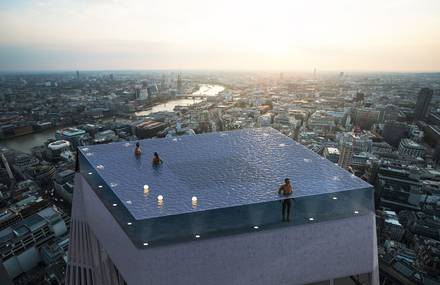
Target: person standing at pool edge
[(286, 190)]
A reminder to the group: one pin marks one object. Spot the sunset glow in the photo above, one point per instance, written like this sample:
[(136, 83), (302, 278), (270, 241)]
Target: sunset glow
[(395, 35)]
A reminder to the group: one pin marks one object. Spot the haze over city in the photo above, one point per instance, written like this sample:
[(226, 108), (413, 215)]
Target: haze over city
[(337, 35)]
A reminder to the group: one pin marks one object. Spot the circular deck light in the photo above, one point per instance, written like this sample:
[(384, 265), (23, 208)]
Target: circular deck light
[(100, 186), (335, 198), (311, 219), (356, 212), (146, 188), (145, 243), (194, 202), (100, 166), (197, 236), (256, 227), (114, 205), (160, 201), (129, 223), (90, 173)]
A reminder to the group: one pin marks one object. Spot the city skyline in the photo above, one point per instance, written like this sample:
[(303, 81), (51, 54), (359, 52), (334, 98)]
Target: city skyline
[(70, 213), (391, 36)]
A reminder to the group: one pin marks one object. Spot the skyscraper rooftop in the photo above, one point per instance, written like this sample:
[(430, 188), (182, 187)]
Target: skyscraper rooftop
[(217, 184)]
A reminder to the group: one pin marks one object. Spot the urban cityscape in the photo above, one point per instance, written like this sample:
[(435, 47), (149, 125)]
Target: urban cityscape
[(356, 152), (383, 128)]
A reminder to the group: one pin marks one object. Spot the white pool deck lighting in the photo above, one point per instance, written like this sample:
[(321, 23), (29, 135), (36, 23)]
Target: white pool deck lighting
[(160, 201)]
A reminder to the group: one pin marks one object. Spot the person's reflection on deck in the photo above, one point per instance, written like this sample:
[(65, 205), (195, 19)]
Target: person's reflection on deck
[(286, 190)]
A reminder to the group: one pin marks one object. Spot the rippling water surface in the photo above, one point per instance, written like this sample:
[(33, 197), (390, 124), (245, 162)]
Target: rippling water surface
[(220, 169)]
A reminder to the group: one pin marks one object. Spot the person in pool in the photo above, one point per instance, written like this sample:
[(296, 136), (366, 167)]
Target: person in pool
[(137, 150), (286, 190), (156, 159)]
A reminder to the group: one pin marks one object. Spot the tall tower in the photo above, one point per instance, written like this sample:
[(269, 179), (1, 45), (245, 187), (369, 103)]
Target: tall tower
[(163, 83), (422, 106), (133, 223), (179, 84)]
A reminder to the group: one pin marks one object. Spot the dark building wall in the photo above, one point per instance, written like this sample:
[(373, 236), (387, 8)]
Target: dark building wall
[(422, 106), (393, 132), (4, 276)]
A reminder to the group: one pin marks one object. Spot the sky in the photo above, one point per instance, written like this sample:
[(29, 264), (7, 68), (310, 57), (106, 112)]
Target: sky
[(280, 35)]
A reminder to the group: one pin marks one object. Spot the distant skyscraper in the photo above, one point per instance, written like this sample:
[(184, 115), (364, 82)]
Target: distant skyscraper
[(179, 84), (137, 91), (422, 105), (77, 75), (314, 73), (163, 83), (281, 76)]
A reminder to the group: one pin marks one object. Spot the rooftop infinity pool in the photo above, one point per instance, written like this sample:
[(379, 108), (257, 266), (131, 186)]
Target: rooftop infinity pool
[(217, 183)]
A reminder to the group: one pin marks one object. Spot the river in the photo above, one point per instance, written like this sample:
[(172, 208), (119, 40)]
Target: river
[(204, 89), (169, 106), (27, 142)]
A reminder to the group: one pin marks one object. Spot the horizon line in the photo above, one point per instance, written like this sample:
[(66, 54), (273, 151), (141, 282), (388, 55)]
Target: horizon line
[(232, 70)]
